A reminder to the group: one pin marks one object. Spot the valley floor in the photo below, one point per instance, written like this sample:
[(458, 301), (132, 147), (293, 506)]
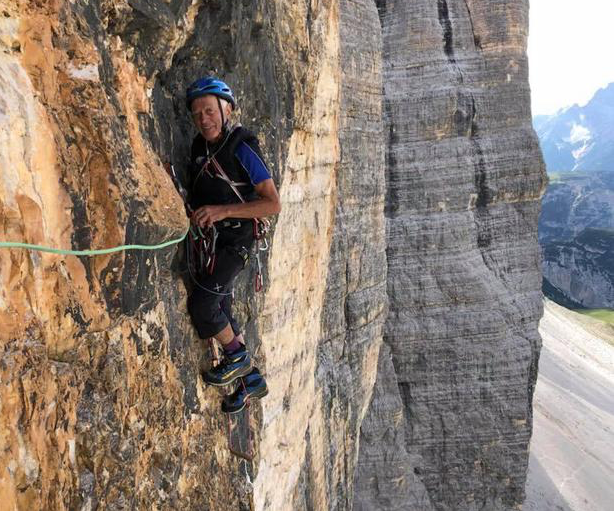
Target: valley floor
[(571, 464)]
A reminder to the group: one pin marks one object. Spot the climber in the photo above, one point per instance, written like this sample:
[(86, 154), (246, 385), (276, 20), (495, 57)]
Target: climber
[(230, 187)]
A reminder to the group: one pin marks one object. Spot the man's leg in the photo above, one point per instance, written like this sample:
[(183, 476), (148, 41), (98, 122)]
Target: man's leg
[(209, 301), (209, 306), (253, 385), (225, 336), (237, 361), (229, 341), (237, 339)]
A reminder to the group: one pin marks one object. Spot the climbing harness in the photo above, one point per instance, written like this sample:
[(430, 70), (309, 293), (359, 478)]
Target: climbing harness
[(200, 258), (261, 225), (200, 251), (221, 146), (200, 245)]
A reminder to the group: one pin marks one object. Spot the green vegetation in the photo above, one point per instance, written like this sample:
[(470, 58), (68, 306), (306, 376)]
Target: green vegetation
[(605, 315), (554, 177), (567, 176)]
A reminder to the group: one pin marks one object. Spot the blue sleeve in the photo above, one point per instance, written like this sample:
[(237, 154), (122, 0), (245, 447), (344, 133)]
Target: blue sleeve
[(252, 162)]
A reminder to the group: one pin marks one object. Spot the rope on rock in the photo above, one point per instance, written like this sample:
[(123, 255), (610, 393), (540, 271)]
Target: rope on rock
[(101, 251)]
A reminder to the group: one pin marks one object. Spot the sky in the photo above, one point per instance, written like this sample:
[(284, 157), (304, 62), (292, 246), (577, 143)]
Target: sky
[(571, 51)]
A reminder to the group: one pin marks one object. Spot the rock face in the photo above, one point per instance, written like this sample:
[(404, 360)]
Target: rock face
[(102, 404), (464, 179), (576, 232), (574, 202), (327, 301), (385, 477)]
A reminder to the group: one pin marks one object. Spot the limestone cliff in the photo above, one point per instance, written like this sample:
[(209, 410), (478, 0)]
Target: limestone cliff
[(464, 179), (101, 402)]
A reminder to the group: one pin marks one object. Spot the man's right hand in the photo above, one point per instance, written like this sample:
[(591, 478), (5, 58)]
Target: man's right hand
[(206, 216)]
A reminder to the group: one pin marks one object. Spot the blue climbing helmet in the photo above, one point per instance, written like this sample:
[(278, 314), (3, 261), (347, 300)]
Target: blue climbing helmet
[(209, 85)]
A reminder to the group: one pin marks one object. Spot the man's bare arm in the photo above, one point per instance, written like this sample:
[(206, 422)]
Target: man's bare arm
[(267, 204)]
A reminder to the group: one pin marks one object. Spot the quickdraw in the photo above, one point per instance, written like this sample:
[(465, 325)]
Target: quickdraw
[(201, 249), (261, 229)]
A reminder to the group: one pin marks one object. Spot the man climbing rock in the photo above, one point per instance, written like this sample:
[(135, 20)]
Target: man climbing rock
[(230, 189)]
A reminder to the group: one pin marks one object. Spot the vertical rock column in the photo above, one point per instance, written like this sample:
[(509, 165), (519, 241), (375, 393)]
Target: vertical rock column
[(327, 294), (102, 401), (289, 323), (354, 307), (464, 179)]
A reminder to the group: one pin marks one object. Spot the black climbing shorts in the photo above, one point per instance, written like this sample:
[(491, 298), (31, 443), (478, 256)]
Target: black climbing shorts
[(210, 303)]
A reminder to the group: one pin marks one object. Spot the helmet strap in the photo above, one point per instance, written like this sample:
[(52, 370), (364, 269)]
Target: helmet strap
[(224, 120)]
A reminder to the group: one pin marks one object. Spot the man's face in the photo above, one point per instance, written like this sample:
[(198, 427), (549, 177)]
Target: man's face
[(207, 116)]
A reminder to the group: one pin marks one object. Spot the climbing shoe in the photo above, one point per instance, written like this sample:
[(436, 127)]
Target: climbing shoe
[(233, 366), (252, 386)]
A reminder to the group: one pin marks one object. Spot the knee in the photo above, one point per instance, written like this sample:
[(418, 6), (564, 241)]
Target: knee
[(201, 305), (206, 314)]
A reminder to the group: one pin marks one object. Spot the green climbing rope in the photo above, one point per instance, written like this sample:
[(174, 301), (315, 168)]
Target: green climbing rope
[(101, 251)]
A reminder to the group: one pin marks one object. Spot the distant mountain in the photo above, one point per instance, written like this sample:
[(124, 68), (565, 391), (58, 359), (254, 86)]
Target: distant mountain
[(581, 271), (579, 138), (576, 233), (576, 201)]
